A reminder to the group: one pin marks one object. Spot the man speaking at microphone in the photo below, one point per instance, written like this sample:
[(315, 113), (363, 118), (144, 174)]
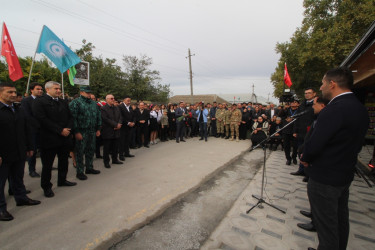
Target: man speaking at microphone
[(330, 155)]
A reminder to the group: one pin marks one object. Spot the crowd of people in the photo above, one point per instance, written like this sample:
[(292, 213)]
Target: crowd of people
[(80, 126)]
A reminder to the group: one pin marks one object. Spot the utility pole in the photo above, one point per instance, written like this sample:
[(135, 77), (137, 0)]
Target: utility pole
[(191, 72)]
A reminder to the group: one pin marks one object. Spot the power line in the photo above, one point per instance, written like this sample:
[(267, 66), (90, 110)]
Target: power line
[(80, 44), (107, 27), (131, 24)]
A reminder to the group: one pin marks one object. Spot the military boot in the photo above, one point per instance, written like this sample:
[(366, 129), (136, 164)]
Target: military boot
[(227, 137), (237, 139), (231, 139)]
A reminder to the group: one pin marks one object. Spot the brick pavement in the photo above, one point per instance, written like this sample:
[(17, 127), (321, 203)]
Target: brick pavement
[(268, 228)]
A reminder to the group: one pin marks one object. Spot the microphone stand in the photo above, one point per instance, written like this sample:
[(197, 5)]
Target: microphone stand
[(262, 144)]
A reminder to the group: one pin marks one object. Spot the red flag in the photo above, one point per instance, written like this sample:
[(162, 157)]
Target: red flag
[(287, 77), (8, 51)]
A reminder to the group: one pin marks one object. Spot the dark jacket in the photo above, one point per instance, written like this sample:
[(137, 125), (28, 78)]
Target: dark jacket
[(127, 116), (53, 117), (142, 116), (14, 134), (179, 112), (27, 106), (337, 138), (111, 116), (305, 120)]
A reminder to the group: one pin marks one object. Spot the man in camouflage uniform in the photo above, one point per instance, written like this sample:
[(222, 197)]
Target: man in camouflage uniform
[(235, 120), (227, 115), (86, 127), (220, 116)]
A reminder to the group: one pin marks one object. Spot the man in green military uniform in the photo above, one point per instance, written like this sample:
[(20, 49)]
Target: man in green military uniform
[(235, 120), (227, 115), (220, 116), (87, 122)]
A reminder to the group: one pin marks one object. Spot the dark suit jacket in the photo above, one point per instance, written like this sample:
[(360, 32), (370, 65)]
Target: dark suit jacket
[(268, 113), (111, 116), (304, 121), (144, 116), (179, 112), (14, 134), (337, 138), (53, 118), (27, 105), (127, 116)]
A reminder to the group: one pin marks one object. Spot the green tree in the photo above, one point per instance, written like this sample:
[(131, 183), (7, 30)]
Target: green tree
[(329, 31)]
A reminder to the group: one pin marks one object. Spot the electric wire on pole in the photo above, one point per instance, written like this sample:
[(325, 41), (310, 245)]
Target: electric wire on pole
[(191, 72)]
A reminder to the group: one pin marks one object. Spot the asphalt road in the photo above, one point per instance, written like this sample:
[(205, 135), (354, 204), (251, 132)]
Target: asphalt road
[(106, 208)]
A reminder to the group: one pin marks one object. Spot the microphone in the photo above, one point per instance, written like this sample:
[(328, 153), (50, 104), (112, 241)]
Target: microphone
[(299, 114)]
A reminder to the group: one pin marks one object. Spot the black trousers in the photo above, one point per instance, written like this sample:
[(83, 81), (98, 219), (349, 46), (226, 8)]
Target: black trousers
[(289, 142), (213, 128), (329, 206), (180, 131), (48, 157), (15, 171), (143, 130), (243, 130), (124, 141), (110, 146)]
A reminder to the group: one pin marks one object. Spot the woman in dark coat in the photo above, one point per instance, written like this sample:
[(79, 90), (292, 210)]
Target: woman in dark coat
[(244, 126), (260, 131)]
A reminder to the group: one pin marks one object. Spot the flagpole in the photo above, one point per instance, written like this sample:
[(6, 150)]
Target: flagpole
[(62, 85), (32, 63)]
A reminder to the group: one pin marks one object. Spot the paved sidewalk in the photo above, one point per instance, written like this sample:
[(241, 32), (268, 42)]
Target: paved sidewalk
[(269, 229), (104, 208)]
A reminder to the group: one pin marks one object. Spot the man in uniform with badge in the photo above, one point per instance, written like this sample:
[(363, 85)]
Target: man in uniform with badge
[(220, 116), (86, 127), (235, 120)]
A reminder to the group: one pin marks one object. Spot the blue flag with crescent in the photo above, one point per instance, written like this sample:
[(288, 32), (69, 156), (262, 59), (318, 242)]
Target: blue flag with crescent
[(56, 50)]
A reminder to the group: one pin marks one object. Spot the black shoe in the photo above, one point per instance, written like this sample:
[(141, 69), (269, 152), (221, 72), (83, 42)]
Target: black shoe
[(201, 139), (54, 168), (294, 161), (129, 155), (117, 162), (305, 179), (106, 165), (205, 139), (299, 173), (99, 157), (92, 171), (183, 140), (5, 216), (133, 147), (308, 227), (227, 137), (66, 184), (305, 213), (121, 158), (288, 162), (177, 141), (49, 193), (310, 248), (34, 174), (81, 176), (147, 146), (27, 202)]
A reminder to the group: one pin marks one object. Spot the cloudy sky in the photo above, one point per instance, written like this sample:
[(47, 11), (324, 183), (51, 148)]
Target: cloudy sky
[(233, 42)]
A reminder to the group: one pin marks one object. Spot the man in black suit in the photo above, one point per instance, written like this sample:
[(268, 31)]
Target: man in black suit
[(128, 122), (36, 90), (330, 155), (143, 117), (180, 114), (300, 128), (56, 122), (14, 147), (111, 125)]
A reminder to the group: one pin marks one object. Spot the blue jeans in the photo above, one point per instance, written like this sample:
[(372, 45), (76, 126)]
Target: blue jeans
[(203, 129)]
